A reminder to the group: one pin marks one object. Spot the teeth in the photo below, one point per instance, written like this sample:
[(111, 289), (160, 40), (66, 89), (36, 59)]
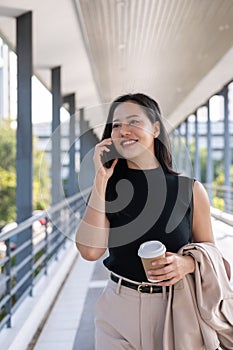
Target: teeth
[(128, 142)]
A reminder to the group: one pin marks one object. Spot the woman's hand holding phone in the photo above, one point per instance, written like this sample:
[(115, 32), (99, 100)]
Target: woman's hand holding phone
[(98, 158)]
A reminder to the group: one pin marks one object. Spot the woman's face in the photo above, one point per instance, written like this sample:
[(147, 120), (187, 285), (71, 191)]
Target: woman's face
[(133, 133)]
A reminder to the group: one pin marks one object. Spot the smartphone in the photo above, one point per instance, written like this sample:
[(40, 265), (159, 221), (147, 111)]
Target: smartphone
[(108, 157)]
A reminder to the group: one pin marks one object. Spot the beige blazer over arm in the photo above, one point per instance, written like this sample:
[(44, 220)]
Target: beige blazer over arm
[(200, 306)]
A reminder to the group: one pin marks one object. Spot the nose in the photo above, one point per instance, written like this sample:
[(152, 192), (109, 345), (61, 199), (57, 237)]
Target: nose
[(125, 129)]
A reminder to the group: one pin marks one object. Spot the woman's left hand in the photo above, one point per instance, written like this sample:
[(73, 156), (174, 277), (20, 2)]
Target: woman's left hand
[(176, 267)]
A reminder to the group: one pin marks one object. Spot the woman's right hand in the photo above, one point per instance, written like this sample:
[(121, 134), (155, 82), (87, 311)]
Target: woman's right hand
[(100, 169)]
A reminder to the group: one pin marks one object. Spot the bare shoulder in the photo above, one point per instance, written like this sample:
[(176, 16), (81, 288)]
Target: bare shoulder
[(201, 204), (199, 193)]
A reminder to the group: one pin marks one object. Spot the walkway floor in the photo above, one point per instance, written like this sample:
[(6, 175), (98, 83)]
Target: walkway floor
[(70, 325)]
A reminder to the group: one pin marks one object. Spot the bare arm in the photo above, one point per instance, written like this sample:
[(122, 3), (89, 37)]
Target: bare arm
[(92, 234), (201, 228)]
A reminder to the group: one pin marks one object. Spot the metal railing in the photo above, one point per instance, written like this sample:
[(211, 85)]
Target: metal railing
[(60, 223), (221, 197)]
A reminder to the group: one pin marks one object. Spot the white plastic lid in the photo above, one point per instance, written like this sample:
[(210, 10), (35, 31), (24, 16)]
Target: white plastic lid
[(151, 249)]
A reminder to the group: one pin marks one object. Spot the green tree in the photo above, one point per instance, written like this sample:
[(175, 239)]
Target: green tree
[(41, 182), (7, 195), (219, 181), (7, 173), (8, 146)]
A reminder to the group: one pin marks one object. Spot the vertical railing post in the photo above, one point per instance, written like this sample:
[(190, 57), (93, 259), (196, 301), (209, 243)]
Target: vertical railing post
[(209, 165), (196, 154), (186, 151), (88, 140), (46, 248), (180, 153), (8, 281), (70, 100), (227, 155)]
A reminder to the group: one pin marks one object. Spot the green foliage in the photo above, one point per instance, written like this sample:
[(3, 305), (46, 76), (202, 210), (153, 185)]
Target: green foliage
[(41, 182), (7, 195), (219, 179), (218, 169), (7, 146), (218, 203), (7, 174)]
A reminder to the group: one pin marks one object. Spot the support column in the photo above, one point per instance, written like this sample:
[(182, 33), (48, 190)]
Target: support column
[(88, 140), (196, 155), (186, 153), (56, 136), (172, 136), (179, 151), (209, 165), (227, 151), (83, 131), (24, 143), (70, 99)]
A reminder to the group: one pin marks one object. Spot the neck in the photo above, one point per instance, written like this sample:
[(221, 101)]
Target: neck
[(144, 164)]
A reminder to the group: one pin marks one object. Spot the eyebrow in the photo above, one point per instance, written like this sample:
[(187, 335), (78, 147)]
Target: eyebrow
[(128, 117)]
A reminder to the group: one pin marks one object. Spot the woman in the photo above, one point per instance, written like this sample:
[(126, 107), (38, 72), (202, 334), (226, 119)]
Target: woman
[(138, 197)]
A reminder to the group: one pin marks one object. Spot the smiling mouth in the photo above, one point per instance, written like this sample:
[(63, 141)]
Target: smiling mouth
[(126, 143)]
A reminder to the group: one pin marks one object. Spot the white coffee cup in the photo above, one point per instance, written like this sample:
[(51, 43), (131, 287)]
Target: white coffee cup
[(148, 252)]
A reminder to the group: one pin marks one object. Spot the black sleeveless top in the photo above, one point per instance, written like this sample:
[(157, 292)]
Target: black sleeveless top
[(146, 205)]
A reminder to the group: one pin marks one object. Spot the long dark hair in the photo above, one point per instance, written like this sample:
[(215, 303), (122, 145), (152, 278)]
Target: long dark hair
[(162, 146)]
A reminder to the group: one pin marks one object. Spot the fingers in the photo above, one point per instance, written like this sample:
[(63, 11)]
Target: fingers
[(167, 269), (166, 279), (114, 163), (102, 146), (169, 258), (104, 142), (164, 273), (100, 168), (102, 149)]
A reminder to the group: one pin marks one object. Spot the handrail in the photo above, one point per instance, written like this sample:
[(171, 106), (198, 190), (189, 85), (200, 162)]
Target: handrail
[(44, 213), (21, 268), (222, 216), (220, 188), (41, 248), (221, 197)]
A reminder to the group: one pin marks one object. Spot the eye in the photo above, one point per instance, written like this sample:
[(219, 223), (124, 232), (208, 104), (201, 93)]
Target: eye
[(134, 122), (115, 125)]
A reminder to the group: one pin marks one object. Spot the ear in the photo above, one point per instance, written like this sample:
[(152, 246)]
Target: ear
[(156, 129)]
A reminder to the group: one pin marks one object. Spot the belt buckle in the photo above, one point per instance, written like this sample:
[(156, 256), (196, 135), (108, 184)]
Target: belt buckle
[(144, 285)]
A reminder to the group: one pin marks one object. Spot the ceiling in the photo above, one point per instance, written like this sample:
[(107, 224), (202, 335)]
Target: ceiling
[(178, 51)]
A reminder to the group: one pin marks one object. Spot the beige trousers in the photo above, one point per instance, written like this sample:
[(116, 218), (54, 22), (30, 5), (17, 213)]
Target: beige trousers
[(129, 320)]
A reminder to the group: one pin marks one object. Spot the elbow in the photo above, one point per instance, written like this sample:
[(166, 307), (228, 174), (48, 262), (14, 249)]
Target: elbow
[(88, 253), (90, 257)]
